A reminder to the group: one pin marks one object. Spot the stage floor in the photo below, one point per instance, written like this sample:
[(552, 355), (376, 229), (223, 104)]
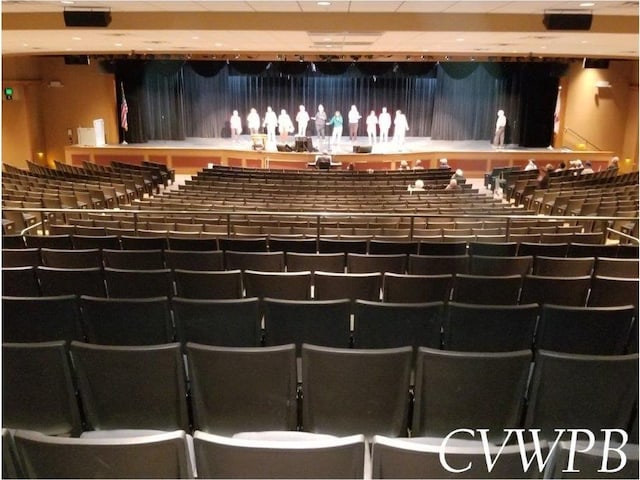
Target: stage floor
[(411, 145)]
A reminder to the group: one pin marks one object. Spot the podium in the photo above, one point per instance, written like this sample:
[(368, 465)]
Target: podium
[(94, 137)]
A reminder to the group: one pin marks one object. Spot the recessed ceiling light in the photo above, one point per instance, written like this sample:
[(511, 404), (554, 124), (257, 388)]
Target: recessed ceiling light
[(584, 41), (117, 44), (67, 2), (324, 4), (25, 44), (459, 39), (195, 38), (587, 4), (217, 44), (76, 38), (543, 47), (68, 49)]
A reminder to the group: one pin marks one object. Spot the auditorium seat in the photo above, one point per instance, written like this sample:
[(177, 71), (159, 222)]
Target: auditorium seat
[(453, 247), (585, 330), (163, 455), (127, 321), (48, 241), (76, 258), (71, 281), (587, 460), (389, 247), (400, 288), (125, 283), (134, 259), (257, 394), (352, 390), (367, 263), (287, 245), (243, 244), (570, 291), (261, 261), (581, 391), (591, 250), (391, 325), (130, 242), (489, 328), (326, 245), (297, 455), (282, 285), (321, 322), (11, 465), (612, 291), (41, 319), (194, 260), (469, 390), (617, 267), (422, 458), (543, 249), (224, 323), (37, 389), (21, 257), (563, 267), (324, 262), (208, 285), (438, 264), (130, 387), (503, 249), (486, 290), (498, 266), (13, 241), (192, 244), (20, 282), (362, 286), (85, 241), (627, 251)]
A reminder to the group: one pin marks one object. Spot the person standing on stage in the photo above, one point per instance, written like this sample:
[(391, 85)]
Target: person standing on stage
[(253, 121), (372, 122), (270, 122), (302, 118), (285, 125), (400, 127), (235, 122), (321, 121), (354, 117), (501, 123), (384, 121), (337, 121)]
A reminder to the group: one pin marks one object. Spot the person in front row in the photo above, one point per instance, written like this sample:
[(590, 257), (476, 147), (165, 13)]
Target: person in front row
[(459, 176), (613, 164), (418, 186)]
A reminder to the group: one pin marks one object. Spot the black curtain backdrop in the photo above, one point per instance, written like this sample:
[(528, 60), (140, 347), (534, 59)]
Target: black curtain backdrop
[(173, 100)]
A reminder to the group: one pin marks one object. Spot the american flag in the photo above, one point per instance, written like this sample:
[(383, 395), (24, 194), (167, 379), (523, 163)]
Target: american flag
[(124, 110)]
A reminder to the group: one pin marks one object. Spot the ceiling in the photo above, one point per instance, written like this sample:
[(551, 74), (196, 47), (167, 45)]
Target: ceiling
[(294, 29)]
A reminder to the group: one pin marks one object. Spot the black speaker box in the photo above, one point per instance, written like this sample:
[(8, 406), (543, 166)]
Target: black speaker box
[(362, 149), (281, 147), (76, 60), (87, 18), (595, 63), (567, 21)]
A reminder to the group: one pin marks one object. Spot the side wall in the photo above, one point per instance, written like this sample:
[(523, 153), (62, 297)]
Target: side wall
[(36, 123)]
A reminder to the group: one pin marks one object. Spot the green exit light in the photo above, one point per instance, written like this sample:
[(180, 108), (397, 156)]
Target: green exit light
[(8, 93)]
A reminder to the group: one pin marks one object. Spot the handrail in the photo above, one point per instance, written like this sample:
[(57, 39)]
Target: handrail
[(573, 132), (630, 237), (319, 215)]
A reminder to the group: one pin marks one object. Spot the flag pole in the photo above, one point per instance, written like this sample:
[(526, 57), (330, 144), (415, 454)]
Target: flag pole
[(124, 111)]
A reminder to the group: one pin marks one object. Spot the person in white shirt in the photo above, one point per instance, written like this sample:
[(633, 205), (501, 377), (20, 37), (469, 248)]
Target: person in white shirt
[(587, 168), (501, 123), (354, 117), (285, 125), (235, 122), (372, 122), (271, 122), (253, 121), (384, 121), (302, 119), (418, 186), (531, 165), (400, 127)]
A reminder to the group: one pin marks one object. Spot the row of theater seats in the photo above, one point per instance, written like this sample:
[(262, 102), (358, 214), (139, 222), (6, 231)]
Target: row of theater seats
[(453, 245), (250, 322), (477, 264), (480, 289), (340, 391)]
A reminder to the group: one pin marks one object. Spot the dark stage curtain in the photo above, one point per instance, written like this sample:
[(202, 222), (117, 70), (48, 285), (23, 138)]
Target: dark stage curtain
[(448, 101)]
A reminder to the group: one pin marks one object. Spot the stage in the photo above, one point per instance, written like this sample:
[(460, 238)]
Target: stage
[(475, 157)]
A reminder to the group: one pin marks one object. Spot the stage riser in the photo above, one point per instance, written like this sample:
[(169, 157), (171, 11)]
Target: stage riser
[(190, 161)]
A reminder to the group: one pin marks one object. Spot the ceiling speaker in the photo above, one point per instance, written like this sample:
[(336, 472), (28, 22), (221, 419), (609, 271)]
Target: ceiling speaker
[(567, 21), (87, 18)]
